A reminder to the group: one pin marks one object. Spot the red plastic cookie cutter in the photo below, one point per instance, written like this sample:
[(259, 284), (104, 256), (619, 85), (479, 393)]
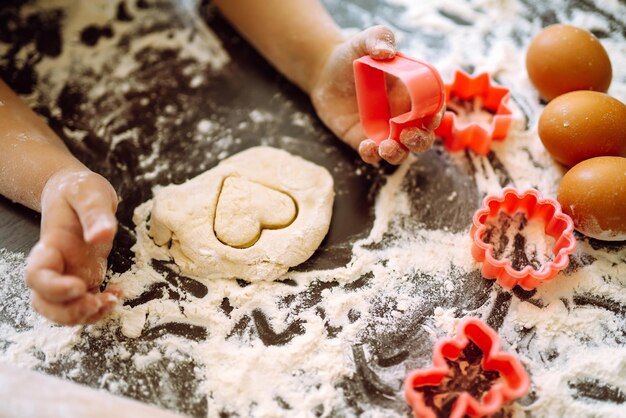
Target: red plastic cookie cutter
[(423, 82), (534, 206), (476, 136), (512, 384)]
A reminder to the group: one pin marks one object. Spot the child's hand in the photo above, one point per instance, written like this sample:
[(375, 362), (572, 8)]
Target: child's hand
[(68, 264), (334, 98)]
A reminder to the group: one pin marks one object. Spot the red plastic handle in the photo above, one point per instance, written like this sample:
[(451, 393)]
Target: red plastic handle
[(423, 82)]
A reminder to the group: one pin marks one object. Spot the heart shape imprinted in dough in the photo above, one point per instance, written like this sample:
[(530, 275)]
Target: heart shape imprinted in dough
[(186, 217), (245, 208)]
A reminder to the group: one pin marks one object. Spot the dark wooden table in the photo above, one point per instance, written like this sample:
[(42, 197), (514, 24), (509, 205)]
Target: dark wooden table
[(226, 97)]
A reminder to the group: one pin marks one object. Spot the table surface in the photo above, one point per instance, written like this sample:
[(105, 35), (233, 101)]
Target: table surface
[(227, 97)]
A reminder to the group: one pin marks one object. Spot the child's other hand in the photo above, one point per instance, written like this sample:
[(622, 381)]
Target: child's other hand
[(68, 264), (334, 98)]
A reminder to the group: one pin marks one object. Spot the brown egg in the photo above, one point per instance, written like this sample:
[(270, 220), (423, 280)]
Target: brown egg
[(583, 124), (593, 193), (563, 58)]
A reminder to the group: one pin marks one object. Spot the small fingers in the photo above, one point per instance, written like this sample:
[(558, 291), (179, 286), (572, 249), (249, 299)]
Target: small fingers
[(54, 287), (99, 228), (399, 97), (368, 150), (420, 140), (392, 151), (70, 313), (44, 276), (382, 43), (109, 298), (114, 291), (378, 42), (417, 140), (431, 123)]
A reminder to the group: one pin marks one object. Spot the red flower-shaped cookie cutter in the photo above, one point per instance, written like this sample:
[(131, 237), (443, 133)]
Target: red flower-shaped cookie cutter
[(424, 85), (512, 384), (534, 206), (476, 136)]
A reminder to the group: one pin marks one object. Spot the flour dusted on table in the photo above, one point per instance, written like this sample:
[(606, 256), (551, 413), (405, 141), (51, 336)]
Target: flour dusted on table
[(535, 329), (26, 339), (339, 342), (304, 370), (575, 344)]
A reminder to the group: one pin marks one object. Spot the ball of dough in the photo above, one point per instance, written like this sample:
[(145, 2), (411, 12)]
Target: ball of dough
[(252, 216)]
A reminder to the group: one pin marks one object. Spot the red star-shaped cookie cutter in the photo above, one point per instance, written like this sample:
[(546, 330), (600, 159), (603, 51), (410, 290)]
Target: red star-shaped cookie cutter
[(512, 384), (476, 136), (534, 206)]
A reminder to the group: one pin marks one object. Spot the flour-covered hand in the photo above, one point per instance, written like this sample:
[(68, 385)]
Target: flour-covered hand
[(67, 266), (334, 98)]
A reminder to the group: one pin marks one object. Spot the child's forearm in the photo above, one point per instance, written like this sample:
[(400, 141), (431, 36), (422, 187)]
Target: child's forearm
[(30, 152), (295, 36)]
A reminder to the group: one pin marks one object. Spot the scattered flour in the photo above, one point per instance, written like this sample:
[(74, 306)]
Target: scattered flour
[(260, 116), (560, 333), (576, 344), (510, 233), (469, 112), (26, 338)]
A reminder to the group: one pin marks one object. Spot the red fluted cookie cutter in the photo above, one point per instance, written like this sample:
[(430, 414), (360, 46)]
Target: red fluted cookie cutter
[(476, 136), (513, 382), (534, 206), (423, 82)]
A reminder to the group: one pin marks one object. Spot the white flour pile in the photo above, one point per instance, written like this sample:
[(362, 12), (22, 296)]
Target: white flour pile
[(570, 333)]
